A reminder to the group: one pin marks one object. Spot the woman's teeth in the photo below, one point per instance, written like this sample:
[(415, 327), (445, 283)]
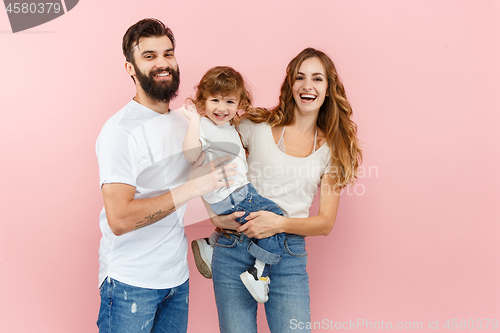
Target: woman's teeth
[(307, 97)]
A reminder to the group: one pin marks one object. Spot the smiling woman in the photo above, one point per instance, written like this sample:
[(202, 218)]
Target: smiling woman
[(314, 109), (309, 88)]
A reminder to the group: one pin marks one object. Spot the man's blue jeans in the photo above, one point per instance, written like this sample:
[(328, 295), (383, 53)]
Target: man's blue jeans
[(129, 309), (248, 200)]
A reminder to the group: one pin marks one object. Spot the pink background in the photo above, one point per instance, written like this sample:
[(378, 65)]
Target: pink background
[(416, 240)]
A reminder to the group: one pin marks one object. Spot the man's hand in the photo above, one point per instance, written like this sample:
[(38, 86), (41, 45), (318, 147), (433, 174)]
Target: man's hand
[(223, 221), (207, 178)]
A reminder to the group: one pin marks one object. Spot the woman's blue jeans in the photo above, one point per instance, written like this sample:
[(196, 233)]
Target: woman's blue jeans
[(288, 302)]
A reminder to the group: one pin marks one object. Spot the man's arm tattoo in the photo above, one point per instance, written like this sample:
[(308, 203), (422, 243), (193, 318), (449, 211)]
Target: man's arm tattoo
[(155, 217)]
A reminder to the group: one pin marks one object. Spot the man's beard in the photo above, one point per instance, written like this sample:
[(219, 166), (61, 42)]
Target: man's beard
[(162, 91)]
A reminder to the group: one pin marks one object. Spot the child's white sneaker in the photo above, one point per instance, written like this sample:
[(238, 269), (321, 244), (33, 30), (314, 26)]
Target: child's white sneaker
[(258, 287), (202, 252)]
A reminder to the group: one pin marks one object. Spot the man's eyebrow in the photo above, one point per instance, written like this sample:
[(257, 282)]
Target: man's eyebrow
[(153, 52)]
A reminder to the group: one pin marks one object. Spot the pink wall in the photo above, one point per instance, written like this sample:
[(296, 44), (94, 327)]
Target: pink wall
[(416, 240)]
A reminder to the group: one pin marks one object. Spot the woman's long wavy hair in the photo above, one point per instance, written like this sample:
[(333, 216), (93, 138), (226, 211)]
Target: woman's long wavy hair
[(334, 117)]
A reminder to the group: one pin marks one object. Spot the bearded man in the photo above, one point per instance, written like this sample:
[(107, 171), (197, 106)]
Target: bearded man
[(143, 269)]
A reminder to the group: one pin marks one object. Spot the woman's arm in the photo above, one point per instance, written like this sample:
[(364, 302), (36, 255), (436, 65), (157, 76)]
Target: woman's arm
[(264, 224)]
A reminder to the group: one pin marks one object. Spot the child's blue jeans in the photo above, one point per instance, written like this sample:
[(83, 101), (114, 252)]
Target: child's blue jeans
[(267, 250)]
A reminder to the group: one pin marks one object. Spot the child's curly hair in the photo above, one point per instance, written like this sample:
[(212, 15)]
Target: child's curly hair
[(224, 81)]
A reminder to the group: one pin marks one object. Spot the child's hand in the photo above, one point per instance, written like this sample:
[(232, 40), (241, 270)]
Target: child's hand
[(189, 111)]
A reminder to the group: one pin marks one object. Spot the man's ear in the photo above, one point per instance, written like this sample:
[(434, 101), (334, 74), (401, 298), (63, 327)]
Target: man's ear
[(129, 68)]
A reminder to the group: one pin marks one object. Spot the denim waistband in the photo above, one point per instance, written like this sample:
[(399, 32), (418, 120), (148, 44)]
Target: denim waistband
[(241, 236)]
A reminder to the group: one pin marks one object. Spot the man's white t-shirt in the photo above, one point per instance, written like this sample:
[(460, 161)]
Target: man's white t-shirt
[(142, 148)]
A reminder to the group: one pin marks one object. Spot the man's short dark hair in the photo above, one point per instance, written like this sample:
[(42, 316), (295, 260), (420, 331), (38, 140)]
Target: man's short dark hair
[(144, 28)]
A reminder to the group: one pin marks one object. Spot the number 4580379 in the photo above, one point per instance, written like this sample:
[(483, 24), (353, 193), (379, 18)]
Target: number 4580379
[(471, 324), (33, 8)]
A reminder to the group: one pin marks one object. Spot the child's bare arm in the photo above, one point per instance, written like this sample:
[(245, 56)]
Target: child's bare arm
[(191, 147)]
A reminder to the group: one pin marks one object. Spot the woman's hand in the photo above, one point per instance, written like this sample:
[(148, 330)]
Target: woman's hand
[(262, 224)]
